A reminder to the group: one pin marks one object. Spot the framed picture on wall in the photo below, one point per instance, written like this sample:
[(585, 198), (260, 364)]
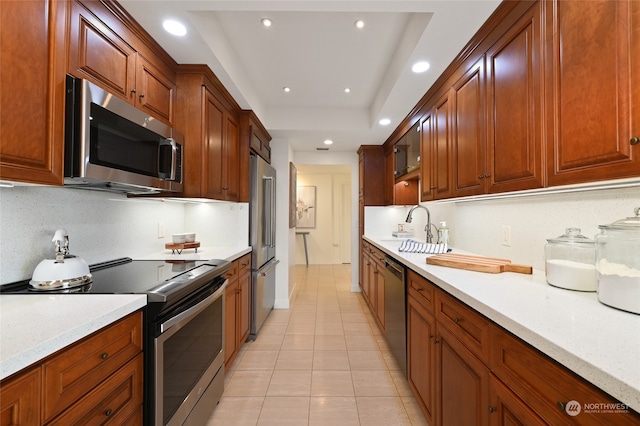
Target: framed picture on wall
[(306, 207), (293, 178)]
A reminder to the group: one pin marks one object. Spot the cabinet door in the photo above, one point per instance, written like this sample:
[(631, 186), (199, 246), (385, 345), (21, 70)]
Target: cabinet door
[(514, 102), (594, 90), (506, 409), (20, 398), (427, 178), (244, 308), (32, 91), (463, 380), (468, 132), (99, 55), (230, 323), (213, 168), (155, 90), (442, 148), (231, 159), (421, 356)]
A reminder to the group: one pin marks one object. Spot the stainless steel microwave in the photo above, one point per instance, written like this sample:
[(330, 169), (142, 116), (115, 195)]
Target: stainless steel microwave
[(113, 146)]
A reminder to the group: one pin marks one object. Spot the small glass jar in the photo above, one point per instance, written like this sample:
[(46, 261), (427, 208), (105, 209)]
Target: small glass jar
[(618, 263), (570, 261)]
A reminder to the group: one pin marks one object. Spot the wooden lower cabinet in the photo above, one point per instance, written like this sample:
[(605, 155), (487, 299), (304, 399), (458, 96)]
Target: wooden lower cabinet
[(20, 399), (421, 330), (466, 370), (373, 282), (98, 380), (237, 315), (462, 383)]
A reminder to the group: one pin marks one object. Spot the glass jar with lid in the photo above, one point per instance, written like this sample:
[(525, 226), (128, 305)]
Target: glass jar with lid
[(570, 261), (618, 263)]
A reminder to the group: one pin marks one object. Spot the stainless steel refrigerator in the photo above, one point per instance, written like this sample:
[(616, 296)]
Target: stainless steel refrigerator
[(262, 235)]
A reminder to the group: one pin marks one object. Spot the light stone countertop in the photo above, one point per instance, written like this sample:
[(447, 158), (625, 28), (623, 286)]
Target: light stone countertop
[(597, 342), (34, 326)]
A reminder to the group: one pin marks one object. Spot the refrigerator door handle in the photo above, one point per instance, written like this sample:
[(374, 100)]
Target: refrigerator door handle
[(266, 269), (269, 211)]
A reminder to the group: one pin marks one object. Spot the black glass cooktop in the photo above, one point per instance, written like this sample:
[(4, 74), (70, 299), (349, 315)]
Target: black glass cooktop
[(126, 276)]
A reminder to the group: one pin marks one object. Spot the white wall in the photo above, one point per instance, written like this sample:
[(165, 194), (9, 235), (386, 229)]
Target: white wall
[(281, 155), (476, 226), (103, 226)]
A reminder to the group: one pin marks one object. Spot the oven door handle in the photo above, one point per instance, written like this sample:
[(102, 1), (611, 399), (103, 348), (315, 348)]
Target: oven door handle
[(194, 310)]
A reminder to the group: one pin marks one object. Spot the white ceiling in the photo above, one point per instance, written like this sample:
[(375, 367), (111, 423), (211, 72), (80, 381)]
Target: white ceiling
[(314, 48)]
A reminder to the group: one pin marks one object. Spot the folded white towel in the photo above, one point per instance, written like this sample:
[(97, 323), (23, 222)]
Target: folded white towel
[(411, 246)]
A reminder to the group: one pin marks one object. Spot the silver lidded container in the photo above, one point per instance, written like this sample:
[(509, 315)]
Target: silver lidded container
[(618, 263), (570, 261)]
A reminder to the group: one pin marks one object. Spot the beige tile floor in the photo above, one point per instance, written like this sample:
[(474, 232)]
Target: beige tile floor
[(321, 362)]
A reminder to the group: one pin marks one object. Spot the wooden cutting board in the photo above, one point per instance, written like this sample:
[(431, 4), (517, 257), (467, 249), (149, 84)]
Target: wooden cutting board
[(478, 263)]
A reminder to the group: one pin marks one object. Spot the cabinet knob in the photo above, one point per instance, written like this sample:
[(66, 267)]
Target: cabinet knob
[(133, 90), (491, 409), (436, 341), (108, 412), (457, 320), (430, 336), (141, 95), (634, 140), (104, 355), (224, 188), (432, 187)]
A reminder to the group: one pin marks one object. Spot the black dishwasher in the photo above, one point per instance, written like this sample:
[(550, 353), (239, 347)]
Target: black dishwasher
[(395, 311)]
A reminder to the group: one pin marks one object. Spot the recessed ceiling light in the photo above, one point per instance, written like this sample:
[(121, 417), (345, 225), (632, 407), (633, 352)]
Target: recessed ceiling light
[(347, 90), (174, 27), (384, 122), (286, 89), (359, 24), (419, 67), (328, 142), (266, 22)]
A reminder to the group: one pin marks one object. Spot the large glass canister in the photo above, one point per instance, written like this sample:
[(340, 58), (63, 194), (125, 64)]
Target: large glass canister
[(570, 261), (618, 263)]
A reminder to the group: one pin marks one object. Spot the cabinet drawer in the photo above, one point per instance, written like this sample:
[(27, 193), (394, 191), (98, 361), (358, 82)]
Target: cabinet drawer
[(547, 386), (377, 256), (244, 264), (114, 401), (232, 273), (73, 372), (469, 327), (421, 289)]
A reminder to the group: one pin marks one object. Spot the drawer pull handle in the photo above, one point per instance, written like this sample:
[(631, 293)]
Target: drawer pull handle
[(634, 141), (108, 412), (457, 320), (491, 409), (104, 355), (420, 289)]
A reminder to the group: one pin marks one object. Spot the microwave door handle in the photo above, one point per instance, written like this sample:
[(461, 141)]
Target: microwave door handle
[(171, 175)]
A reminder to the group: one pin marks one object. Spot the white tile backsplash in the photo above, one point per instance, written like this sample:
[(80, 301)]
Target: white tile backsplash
[(103, 225)]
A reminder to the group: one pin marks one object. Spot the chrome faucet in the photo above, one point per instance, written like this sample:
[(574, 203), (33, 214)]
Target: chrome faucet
[(428, 226)]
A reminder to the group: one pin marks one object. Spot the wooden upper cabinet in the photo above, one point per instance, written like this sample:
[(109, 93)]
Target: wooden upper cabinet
[(468, 125), (108, 57), (514, 107), (32, 91), (593, 90), (427, 186), (372, 174), (442, 148), (210, 124)]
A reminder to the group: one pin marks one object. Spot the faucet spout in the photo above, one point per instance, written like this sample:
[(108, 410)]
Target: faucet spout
[(427, 228)]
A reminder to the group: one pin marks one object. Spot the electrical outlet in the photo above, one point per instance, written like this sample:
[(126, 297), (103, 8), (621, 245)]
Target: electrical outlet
[(506, 235), (160, 229)]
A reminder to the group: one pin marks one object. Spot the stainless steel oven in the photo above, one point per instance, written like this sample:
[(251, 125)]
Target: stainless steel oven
[(188, 359)]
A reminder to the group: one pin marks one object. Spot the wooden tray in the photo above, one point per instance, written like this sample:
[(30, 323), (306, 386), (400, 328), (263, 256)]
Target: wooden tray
[(181, 246), (478, 263)]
